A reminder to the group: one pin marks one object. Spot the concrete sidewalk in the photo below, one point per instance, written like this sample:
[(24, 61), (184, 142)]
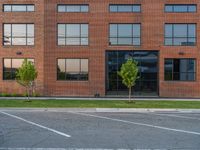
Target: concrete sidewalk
[(101, 98), (114, 110)]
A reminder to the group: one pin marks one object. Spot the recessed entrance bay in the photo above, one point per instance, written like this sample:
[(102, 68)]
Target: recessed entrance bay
[(146, 85)]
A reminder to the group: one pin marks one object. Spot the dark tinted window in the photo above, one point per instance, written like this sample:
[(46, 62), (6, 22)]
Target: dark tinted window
[(180, 8), (146, 84), (72, 69), (180, 69), (125, 8), (18, 8), (180, 34)]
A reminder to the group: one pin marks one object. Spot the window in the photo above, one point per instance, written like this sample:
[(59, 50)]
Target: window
[(177, 8), (10, 67), (73, 8), (125, 8), (180, 34), (72, 34), (18, 34), (72, 69), (147, 71), (180, 69), (18, 8), (125, 34)]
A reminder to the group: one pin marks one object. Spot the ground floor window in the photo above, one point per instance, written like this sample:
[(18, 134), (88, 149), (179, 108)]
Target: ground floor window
[(180, 69), (72, 69), (10, 67), (147, 84)]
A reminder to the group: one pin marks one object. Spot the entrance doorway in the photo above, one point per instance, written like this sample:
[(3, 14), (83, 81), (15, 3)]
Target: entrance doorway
[(146, 85)]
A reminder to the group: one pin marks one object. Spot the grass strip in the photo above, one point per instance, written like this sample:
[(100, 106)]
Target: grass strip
[(99, 104)]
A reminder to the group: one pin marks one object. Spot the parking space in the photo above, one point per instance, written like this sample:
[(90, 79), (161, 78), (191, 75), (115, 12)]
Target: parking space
[(92, 130)]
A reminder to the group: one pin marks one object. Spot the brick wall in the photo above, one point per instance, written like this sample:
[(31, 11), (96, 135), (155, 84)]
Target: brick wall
[(46, 51), (36, 51)]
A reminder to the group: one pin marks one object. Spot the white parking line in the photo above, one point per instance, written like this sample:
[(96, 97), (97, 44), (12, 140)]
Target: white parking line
[(35, 124), (137, 123), (169, 115)]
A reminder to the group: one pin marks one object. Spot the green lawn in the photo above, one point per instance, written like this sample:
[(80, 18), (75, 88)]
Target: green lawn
[(99, 104)]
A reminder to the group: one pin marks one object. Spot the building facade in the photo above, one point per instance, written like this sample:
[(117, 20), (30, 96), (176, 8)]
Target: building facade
[(78, 46)]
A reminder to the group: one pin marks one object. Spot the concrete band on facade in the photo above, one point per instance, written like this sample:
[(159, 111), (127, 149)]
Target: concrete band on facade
[(46, 50)]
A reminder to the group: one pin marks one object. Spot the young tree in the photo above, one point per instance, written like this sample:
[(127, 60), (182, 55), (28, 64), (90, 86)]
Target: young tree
[(129, 74), (26, 76)]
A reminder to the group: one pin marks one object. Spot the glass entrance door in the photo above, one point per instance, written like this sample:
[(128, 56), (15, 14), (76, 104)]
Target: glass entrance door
[(146, 85)]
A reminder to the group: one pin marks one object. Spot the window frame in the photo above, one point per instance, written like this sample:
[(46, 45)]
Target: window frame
[(175, 37), (11, 36), (172, 73), (11, 59), (65, 5), (132, 24), (11, 5), (187, 5), (79, 73), (117, 5), (65, 37)]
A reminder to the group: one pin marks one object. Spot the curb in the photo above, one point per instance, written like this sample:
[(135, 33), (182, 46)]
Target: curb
[(114, 110), (101, 98)]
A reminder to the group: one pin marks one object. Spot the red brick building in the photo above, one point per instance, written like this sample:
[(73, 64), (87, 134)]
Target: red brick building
[(79, 45)]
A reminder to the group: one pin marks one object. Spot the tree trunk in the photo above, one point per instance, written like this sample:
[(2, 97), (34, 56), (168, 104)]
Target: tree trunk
[(133, 96), (27, 91), (130, 94), (32, 86)]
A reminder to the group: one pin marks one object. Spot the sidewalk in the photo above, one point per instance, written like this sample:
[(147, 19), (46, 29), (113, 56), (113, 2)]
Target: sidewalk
[(101, 98), (108, 110)]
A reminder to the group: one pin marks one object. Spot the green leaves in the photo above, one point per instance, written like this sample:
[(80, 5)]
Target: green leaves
[(26, 74), (129, 73)]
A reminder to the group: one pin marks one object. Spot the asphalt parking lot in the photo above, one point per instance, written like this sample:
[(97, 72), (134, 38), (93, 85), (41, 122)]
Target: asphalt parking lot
[(41, 129)]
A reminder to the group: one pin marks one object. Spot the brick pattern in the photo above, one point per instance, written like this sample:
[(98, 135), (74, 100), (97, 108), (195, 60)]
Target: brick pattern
[(36, 51), (45, 52)]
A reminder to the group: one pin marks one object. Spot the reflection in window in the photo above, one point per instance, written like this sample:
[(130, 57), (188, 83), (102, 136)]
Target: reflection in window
[(73, 8), (180, 34), (180, 69), (72, 34), (72, 69), (10, 67), (18, 34), (124, 34), (125, 8), (148, 72), (18, 8), (181, 8)]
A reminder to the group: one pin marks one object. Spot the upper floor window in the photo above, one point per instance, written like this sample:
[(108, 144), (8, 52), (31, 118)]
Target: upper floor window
[(125, 8), (73, 8), (72, 34), (18, 8), (180, 69), (10, 67), (180, 34), (125, 34), (18, 34), (72, 69), (190, 8)]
